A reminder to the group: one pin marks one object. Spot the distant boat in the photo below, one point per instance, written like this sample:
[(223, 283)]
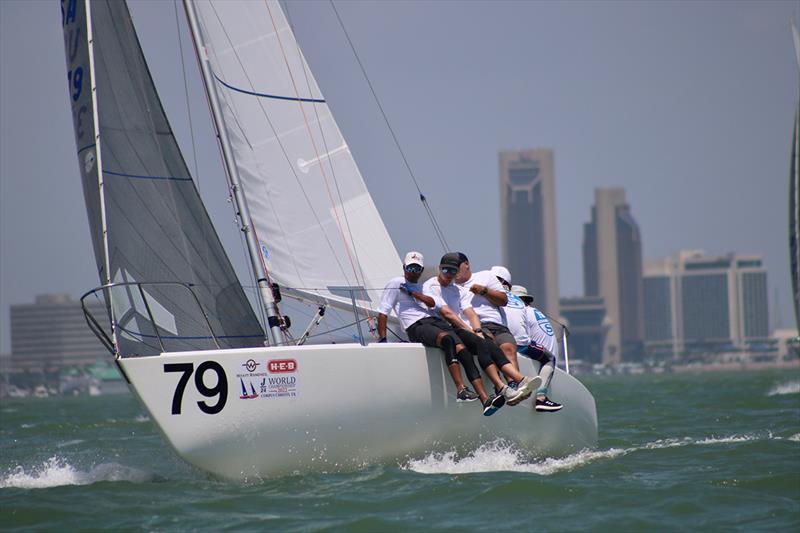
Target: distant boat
[(180, 326)]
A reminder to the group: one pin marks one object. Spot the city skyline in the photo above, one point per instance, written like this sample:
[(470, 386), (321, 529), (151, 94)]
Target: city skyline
[(528, 231), (697, 129), (612, 263)]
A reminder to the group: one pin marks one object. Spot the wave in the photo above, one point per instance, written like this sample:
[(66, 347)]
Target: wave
[(141, 419), (56, 472), (790, 387), (499, 456), (69, 443), (795, 437)]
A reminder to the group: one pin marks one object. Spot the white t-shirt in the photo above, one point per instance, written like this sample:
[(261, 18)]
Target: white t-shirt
[(407, 308), (449, 295), (486, 310), (542, 332)]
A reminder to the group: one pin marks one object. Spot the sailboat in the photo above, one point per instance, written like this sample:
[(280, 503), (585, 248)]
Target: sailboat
[(179, 324)]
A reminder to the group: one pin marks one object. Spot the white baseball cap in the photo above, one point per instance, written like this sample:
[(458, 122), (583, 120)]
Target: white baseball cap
[(502, 272), (414, 258)]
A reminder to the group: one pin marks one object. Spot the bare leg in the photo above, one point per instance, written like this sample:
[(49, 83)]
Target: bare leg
[(478, 385), (511, 372), (494, 376), (455, 373), (510, 351)]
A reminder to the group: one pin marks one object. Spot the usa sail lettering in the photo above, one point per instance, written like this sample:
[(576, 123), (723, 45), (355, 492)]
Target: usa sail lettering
[(75, 73)]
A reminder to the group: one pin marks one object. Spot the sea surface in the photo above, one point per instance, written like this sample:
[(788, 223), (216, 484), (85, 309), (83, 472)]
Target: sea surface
[(713, 451)]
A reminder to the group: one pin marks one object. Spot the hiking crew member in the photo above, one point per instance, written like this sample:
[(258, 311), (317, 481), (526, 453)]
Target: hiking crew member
[(416, 312), (535, 338), (490, 357), (483, 292)]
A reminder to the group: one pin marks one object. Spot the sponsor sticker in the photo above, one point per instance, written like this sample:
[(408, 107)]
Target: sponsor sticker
[(279, 366), (249, 379), (281, 380), (275, 378)]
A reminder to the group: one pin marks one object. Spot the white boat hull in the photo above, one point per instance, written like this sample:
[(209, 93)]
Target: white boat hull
[(337, 407)]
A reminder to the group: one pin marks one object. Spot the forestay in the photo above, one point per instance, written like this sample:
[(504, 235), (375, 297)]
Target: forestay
[(147, 220), (316, 224)]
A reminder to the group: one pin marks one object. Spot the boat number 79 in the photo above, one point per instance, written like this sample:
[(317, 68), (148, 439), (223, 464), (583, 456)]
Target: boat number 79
[(220, 389)]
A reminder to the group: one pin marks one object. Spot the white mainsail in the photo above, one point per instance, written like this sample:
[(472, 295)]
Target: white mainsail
[(316, 224)]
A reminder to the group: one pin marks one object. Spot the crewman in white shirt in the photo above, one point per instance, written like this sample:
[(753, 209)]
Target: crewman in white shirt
[(536, 339), (490, 357), (417, 314), (482, 293)]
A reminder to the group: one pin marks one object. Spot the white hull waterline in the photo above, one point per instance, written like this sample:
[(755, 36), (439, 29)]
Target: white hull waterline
[(336, 407)]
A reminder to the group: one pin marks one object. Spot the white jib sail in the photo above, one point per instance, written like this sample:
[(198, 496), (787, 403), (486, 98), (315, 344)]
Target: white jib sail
[(315, 221)]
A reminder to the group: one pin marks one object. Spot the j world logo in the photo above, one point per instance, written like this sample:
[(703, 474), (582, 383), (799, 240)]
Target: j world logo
[(279, 366)]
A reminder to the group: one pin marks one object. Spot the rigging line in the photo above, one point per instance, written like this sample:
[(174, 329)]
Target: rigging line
[(305, 68), (313, 141), (191, 125), (142, 86), (422, 198), (186, 94), (238, 219), (275, 133)]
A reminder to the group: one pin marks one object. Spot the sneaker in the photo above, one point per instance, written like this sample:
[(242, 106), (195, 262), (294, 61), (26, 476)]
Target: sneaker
[(547, 405), (524, 390), (466, 395), (513, 384), (492, 404)]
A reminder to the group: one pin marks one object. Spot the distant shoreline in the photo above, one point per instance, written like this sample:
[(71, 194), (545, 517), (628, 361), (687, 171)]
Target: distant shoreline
[(721, 367)]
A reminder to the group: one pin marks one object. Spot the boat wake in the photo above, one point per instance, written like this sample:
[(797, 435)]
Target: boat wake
[(499, 456), (790, 387), (56, 472)]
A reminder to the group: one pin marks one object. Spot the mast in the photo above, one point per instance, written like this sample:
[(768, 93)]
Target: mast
[(265, 290), (794, 194), (100, 180)]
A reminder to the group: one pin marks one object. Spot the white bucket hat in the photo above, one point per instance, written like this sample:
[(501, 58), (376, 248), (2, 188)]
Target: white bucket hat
[(522, 293)]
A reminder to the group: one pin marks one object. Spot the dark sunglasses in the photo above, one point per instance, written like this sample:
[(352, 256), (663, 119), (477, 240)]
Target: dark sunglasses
[(450, 271), (413, 269)]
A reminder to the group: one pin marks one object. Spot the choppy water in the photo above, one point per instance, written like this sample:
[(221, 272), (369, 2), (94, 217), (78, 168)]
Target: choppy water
[(712, 451)]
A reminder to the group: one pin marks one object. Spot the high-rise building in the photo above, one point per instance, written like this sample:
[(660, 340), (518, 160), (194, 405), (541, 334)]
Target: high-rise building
[(701, 304), (53, 332), (612, 269), (528, 222), (588, 327)]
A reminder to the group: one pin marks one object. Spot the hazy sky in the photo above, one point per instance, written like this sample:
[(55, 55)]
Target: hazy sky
[(687, 105)]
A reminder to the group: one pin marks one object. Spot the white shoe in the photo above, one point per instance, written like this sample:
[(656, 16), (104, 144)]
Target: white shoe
[(524, 390)]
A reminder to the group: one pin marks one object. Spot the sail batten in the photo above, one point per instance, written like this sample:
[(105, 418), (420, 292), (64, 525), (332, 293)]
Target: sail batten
[(317, 224)]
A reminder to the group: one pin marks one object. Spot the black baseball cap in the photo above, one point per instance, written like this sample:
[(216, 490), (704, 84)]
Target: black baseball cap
[(453, 259)]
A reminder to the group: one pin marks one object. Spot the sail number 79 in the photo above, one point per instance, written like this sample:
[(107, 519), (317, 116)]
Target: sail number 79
[(219, 389)]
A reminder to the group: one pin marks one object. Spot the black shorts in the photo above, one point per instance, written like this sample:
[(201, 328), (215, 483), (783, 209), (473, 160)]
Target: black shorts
[(500, 333), (427, 330)]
